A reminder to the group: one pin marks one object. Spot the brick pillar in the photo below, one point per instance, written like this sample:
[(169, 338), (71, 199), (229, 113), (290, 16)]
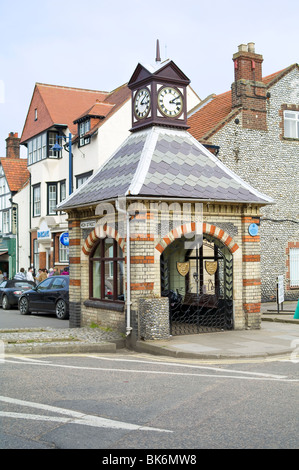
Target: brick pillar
[(75, 273), (251, 274)]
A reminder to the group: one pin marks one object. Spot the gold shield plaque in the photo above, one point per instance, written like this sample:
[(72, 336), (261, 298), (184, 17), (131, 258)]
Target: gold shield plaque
[(183, 268), (211, 267)]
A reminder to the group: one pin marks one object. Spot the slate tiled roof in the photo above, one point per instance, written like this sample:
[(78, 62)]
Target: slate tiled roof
[(204, 122), (16, 172), (166, 163)]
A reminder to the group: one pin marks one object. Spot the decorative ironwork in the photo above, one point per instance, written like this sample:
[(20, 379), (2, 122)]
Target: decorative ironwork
[(205, 303)]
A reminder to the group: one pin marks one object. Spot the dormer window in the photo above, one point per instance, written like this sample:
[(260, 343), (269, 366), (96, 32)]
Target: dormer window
[(35, 114), (83, 128)]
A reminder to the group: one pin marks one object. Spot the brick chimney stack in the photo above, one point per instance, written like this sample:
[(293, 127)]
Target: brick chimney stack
[(248, 90), (13, 145)]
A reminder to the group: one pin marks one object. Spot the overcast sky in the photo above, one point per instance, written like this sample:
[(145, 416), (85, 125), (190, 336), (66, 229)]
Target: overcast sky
[(97, 44)]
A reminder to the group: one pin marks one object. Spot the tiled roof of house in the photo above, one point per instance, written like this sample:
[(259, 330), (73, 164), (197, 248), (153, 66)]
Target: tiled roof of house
[(98, 109), (63, 105), (218, 110), (164, 163), (16, 173)]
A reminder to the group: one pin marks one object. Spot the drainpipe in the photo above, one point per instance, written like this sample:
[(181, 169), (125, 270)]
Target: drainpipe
[(122, 211)]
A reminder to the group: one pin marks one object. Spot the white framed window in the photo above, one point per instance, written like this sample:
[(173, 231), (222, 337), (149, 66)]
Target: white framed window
[(35, 255), (5, 223), (52, 197), (36, 200), (62, 190), (84, 127), (291, 124), (63, 253), (294, 267), (37, 148)]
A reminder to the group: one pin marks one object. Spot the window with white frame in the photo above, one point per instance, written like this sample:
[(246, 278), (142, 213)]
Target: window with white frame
[(52, 198), (35, 255), (84, 127), (52, 137), (5, 221), (291, 124), (36, 200), (294, 267), (63, 253), (37, 147), (62, 190)]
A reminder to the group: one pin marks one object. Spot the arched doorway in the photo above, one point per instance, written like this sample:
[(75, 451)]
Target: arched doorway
[(199, 284)]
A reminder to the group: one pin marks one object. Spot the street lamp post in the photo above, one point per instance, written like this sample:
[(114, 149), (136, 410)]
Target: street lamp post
[(57, 148)]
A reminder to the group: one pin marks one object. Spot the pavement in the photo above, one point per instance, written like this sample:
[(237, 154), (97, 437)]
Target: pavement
[(278, 335)]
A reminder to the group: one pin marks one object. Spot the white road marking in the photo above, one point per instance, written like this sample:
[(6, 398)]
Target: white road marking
[(217, 369), (158, 372), (75, 417)]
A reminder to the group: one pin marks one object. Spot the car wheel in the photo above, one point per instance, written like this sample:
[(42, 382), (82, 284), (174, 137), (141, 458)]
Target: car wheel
[(60, 310), (24, 306), (5, 303)]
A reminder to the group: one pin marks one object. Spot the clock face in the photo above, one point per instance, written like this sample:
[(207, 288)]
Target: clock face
[(142, 103), (170, 101)]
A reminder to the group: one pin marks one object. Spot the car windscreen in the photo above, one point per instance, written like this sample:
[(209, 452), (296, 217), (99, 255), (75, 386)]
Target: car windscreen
[(46, 284)]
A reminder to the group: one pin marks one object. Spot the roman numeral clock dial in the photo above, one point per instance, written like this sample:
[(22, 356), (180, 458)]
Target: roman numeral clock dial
[(142, 103), (170, 101)]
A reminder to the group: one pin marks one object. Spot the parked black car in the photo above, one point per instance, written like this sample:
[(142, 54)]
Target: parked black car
[(10, 291), (50, 296)]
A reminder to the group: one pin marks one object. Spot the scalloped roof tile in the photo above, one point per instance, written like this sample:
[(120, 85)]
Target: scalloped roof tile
[(148, 164)]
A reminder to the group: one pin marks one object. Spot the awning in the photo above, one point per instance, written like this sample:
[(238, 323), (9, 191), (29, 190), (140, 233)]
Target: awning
[(3, 252)]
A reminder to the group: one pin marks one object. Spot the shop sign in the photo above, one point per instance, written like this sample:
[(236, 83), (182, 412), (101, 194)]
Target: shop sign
[(41, 234)]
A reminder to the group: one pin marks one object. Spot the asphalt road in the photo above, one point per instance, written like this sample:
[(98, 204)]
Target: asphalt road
[(131, 401), (13, 319)]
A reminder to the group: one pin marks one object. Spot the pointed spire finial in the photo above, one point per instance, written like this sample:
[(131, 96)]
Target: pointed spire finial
[(158, 58)]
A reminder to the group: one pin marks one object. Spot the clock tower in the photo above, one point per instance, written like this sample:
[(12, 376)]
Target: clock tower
[(159, 95)]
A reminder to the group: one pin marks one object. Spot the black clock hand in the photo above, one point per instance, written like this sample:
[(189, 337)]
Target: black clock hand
[(174, 100)]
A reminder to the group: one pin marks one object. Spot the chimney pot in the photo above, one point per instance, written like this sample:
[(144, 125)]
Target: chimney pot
[(243, 48), (251, 47)]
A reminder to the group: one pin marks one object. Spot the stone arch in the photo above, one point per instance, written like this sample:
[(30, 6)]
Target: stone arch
[(99, 232), (208, 229)]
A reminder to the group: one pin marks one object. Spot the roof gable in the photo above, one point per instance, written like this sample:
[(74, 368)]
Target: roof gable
[(164, 71), (16, 172), (57, 105)]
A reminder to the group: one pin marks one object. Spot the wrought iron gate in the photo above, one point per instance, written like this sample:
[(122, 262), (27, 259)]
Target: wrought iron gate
[(199, 287)]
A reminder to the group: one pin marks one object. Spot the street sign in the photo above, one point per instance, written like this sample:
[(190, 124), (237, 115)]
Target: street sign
[(64, 239), (280, 292)]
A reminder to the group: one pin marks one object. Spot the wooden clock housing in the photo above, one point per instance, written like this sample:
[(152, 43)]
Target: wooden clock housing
[(154, 78)]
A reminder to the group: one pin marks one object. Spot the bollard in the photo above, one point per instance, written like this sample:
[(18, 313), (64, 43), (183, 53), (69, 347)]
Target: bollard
[(296, 315)]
